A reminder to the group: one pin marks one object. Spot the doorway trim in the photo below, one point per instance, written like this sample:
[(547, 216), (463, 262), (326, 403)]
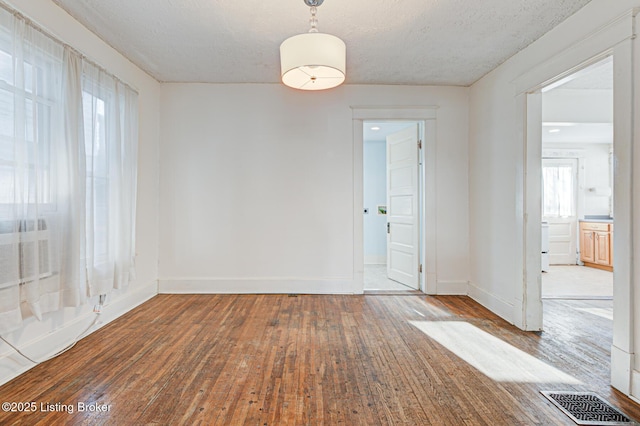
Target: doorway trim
[(615, 39), (428, 253)]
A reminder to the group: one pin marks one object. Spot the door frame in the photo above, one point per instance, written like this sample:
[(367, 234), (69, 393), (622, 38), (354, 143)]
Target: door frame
[(426, 116), (615, 39)]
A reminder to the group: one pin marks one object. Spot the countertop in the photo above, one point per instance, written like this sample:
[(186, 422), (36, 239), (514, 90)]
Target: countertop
[(597, 219)]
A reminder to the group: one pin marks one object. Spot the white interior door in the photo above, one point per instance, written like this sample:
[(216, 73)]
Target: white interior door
[(403, 218), (559, 195)]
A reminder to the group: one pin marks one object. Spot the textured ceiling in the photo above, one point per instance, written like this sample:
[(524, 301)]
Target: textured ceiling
[(452, 42)]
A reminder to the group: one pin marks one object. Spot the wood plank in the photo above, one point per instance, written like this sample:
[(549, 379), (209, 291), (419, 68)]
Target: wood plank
[(313, 360)]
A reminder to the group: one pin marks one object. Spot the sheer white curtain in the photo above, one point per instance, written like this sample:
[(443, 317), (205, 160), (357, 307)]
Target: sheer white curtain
[(128, 189), (73, 273), (558, 193), (30, 159), (110, 141), (68, 145)]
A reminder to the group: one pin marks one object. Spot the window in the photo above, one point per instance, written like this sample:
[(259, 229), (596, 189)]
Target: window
[(97, 175), (558, 190), (26, 129), (68, 168), (109, 116)]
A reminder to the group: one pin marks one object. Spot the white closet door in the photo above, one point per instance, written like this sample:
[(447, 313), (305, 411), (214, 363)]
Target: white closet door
[(403, 240)]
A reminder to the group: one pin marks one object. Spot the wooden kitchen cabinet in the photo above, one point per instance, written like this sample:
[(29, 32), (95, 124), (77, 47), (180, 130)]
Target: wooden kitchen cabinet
[(596, 248), (587, 245), (603, 248)]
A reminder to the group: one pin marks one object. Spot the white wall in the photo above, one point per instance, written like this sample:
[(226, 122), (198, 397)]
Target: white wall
[(58, 329), (578, 106), (597, 180), (495, 150), (375, 194), (497, 156), (257, 185)]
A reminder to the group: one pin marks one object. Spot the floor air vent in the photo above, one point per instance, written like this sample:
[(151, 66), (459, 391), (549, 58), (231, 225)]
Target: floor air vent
[(587, 408)]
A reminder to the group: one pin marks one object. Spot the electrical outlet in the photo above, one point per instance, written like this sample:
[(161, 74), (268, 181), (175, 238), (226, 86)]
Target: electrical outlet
[(97, 308)]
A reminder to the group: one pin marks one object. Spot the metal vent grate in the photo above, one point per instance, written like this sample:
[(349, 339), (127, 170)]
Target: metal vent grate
[(587, 408)]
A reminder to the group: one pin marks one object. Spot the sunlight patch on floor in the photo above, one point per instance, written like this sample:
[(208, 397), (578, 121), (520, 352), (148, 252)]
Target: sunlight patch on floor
[(493, 357)]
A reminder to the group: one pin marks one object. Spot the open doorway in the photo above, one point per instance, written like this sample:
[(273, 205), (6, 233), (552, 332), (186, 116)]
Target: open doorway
[(392, 200), (577, 186), (529, 305)]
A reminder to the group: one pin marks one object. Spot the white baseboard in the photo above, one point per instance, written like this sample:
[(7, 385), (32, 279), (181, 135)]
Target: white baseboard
[(496, 305), (517, 317), (281, 286), (452, 288), (259, 286), (375, 260), (635, 385), (43, 346)]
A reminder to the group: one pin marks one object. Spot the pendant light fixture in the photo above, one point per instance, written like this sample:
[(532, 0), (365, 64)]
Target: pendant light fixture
[(314, 60)]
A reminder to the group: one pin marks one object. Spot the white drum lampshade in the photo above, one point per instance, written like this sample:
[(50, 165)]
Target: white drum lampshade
[(313, 61)]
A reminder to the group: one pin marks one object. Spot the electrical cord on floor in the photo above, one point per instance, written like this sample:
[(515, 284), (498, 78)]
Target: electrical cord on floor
[(60, 352)]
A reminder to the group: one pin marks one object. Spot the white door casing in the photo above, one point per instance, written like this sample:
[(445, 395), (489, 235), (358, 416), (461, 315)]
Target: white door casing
[(403, 214), (563, 226)]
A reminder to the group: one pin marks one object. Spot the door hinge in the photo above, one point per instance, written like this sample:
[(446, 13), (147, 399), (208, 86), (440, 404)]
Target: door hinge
[(419, 144), (420, 268)]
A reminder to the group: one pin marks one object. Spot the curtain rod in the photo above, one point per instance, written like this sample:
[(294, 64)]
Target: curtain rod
[(55, 39)]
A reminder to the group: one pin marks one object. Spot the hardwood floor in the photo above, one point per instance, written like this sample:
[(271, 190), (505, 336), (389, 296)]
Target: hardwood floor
[(314, 360)]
